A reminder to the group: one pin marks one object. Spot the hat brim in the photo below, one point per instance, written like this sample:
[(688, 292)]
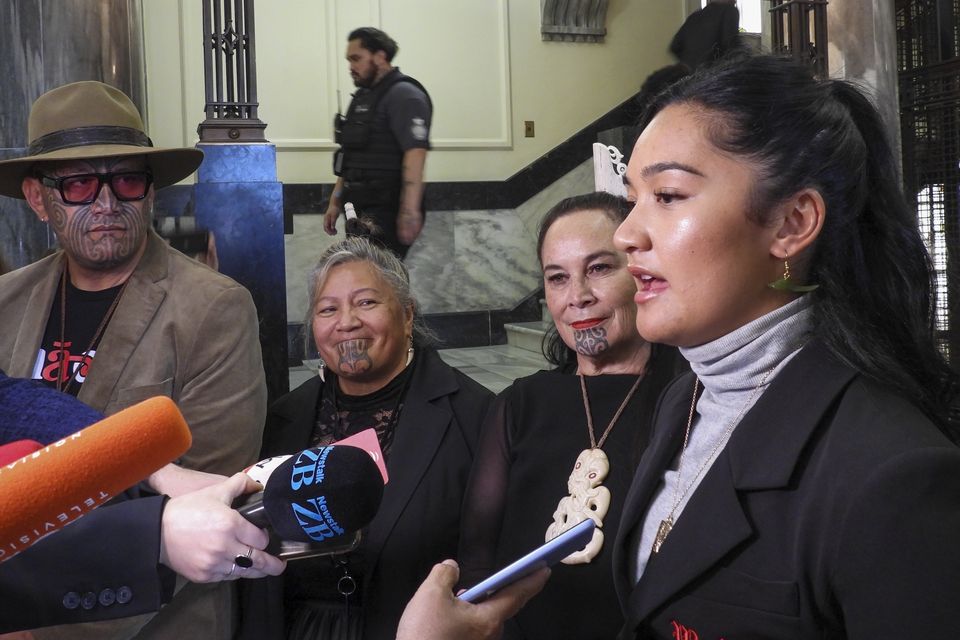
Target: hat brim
[(168, 166)]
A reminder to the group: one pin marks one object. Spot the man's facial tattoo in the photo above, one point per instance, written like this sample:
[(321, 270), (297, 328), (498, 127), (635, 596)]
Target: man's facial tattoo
[(106, 251)]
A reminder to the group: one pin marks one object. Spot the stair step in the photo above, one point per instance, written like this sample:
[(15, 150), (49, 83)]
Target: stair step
[(527, 335)]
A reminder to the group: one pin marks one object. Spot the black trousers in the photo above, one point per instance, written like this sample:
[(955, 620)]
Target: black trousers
[(379, 206)]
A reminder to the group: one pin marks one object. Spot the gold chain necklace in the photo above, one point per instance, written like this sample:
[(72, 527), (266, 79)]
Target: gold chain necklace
[(64, 365), (588, 497), (666, 525)]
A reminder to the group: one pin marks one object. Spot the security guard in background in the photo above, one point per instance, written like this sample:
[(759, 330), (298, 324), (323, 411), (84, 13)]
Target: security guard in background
[(383, 140)]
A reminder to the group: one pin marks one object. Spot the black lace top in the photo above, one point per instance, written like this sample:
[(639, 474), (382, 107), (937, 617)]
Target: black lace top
[(340, 415)]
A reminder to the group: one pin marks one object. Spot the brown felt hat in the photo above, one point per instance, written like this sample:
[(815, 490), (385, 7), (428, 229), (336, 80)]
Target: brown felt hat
[(92, 120)]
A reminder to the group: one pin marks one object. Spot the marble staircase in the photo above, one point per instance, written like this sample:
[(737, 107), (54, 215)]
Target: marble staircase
[(497, 366), (529, 335), (494, 367)]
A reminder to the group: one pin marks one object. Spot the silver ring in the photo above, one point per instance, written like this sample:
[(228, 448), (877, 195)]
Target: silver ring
[(233, 568), (244, 561)]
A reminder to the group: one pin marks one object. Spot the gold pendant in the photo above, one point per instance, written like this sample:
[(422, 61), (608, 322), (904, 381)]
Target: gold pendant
[(662, 531)]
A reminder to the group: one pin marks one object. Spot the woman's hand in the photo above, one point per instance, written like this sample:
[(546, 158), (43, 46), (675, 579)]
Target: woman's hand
[(434, 613)]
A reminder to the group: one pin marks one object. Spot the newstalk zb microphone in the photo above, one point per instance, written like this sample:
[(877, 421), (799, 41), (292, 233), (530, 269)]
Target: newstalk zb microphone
[(318, 494), (50, 488)]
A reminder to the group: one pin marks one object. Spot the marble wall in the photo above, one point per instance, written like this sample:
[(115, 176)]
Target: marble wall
[(47, 43), (463, 260)]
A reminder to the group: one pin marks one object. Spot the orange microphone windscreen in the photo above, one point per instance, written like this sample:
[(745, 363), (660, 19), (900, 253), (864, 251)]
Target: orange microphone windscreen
[(48, 489)]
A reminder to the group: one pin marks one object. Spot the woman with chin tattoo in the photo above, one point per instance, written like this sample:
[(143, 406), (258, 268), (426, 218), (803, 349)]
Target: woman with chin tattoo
[(378, 372), (561, 446)]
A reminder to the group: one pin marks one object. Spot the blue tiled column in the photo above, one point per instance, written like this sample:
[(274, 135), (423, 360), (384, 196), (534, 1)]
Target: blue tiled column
[(238, 198)]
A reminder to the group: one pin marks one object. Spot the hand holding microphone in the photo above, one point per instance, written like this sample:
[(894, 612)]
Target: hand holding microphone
[(203, 539), (321, 496)]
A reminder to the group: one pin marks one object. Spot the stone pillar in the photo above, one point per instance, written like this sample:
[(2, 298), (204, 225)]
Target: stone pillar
[(44, 44), (863, 49)]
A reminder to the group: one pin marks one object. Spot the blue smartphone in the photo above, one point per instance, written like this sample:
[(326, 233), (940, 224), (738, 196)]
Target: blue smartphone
[(548, 554)]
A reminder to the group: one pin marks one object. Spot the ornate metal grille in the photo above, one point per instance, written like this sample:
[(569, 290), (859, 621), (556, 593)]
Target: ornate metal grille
[(230, 73), (798, 28), (928, 35), (573, 20)]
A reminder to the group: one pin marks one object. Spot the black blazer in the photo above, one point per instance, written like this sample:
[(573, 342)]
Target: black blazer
[(418, 523), (833, 512), (101, 567)]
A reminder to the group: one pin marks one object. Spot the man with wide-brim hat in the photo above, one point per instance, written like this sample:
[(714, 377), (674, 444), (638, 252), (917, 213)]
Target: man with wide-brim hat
[(116, 316)]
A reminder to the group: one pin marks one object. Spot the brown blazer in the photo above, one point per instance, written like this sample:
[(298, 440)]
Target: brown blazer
[(181, 330)]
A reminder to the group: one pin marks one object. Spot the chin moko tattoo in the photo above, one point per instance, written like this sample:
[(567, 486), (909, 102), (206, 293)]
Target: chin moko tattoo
[(590, 342), (354, 357)]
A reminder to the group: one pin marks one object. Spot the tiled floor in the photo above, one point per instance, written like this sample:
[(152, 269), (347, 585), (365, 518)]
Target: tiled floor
[(493, 367)]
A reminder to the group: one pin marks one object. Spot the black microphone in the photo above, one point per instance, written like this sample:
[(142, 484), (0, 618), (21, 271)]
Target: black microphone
[(318, 495)]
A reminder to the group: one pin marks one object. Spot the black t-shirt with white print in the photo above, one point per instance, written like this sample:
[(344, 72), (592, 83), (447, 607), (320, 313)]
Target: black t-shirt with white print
[(71, 360)]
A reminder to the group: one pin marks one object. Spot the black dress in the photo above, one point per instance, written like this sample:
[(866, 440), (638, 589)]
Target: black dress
[(531, 440)]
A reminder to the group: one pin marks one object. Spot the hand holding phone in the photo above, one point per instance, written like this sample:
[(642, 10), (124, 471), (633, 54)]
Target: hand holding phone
[(546, 555)]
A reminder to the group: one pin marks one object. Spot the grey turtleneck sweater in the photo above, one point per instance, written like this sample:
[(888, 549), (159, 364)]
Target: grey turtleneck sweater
[(733, 370)]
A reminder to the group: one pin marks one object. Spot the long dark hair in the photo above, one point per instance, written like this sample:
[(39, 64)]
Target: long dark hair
[(555, 350), (874, 306)]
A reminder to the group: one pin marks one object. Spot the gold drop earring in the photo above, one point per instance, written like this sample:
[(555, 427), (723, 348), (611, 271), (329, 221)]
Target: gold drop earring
[(784, 283)]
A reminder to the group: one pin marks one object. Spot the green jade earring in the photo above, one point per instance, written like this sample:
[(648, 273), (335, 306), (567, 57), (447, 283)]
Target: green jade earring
[(784, 284)]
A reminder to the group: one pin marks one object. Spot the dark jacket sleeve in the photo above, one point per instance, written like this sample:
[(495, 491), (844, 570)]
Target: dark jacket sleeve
[(101, 567)]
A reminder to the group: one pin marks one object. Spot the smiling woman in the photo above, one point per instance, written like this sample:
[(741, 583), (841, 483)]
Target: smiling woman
[(379, 373), (588, 290), (361, 327), (560, 446)]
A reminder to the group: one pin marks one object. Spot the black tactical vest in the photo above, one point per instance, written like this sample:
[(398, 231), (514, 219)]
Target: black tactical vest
[(368, 149)]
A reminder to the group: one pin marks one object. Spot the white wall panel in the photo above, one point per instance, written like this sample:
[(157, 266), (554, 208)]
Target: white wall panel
[(483, 62)]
